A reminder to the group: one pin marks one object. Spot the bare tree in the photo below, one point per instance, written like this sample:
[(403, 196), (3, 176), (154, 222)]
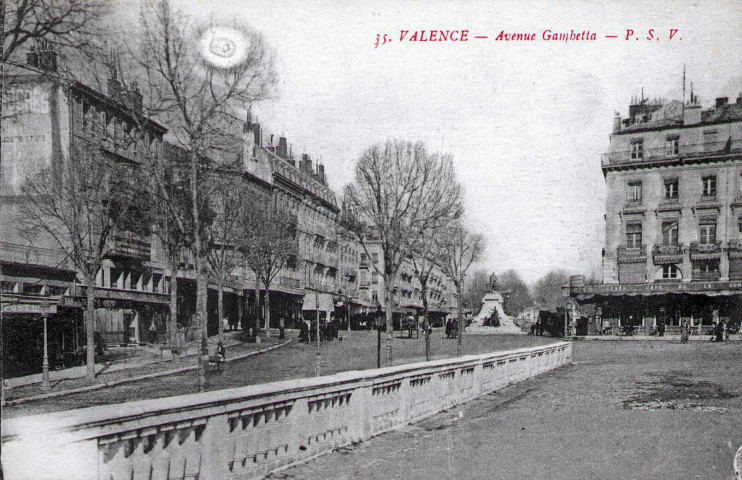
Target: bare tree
[(269, 243), (80, 203), (477, 285), (228, 201), (423, 253), (65, 24), (199, 102), (518, 295), (399, 192), (459, 250), (547, 292)]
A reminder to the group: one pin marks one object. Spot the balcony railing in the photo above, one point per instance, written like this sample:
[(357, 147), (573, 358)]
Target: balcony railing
[(129, 244), (706, 276), (711, 248), (624, 251), (668, 249), (663, 153), (290, 282), (27, 254)]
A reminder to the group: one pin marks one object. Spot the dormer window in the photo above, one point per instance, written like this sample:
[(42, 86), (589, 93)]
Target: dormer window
[(637, 149)]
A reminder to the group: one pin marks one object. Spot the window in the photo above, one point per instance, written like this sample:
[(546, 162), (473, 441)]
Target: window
[(375, 257), (670, 272), (739, 224), (709, 186), (707, 232), (374, 278), (364, 277), (707, 267), (363, 257), (672, 145), (671, 189), (635, 192), (375, 296), (637, 149), (670, 233), (634, 235)]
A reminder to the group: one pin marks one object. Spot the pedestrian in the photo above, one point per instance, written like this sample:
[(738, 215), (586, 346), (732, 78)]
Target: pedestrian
[(221, 356), (719, 331), (448, 327), (225, 324), (684, 332), (281, 331)]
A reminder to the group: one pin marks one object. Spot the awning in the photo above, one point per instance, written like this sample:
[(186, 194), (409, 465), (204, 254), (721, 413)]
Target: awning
[(323, 300)]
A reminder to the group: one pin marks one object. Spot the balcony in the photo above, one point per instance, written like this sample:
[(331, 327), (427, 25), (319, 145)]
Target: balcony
[(129, 244), (705, 251), (363, 264), (26, 254), (706, 276), (290, 282), (632, 254), (663, 154), (667, 254)]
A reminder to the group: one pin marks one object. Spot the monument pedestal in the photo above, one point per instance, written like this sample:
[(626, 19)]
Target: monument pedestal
[(491, 309)]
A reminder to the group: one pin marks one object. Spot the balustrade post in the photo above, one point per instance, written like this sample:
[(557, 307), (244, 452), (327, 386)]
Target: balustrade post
[(214, 462)]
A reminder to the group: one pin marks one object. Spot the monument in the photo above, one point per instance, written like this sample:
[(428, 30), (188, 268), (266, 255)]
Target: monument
[(492, 318)]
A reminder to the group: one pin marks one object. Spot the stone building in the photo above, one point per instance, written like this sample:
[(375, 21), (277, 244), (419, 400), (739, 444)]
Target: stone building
[(441, 294), (46, 119), (673, 222)]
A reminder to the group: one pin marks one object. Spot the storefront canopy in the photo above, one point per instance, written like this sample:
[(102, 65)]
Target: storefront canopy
[(319, 301)]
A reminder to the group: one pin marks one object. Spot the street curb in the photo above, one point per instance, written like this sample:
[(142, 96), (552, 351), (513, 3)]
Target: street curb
[(89, 388)]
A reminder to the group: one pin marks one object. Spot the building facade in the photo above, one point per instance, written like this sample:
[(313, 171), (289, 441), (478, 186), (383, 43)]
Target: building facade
[(673, 222)]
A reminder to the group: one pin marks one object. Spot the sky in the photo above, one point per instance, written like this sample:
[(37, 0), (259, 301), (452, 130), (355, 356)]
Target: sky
[(526, 122)]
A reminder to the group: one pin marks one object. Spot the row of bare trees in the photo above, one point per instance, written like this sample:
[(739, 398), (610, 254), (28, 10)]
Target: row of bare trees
[(408, 201), (190, 201)]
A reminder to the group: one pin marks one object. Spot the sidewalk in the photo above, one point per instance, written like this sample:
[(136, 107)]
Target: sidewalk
[(143, 366), (655, 338), (133, 357)]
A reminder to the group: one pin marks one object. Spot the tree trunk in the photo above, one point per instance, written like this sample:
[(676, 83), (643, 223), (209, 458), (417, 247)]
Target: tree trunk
[(174, 308), (255, 324), (267, 311), (462, 325), (424, 288), (220, 308), (388, 300), (201, 286), (90, 329)]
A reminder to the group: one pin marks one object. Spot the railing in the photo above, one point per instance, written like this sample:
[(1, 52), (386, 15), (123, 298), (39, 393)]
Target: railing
[(33, 255), (663, 153), (705, 276), (668, 249), (130, 244), (696, 247), (248, 432), (290, 282), (624, 251)]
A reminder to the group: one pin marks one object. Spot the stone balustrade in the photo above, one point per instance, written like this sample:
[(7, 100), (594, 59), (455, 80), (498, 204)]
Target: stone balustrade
[(247, 432)]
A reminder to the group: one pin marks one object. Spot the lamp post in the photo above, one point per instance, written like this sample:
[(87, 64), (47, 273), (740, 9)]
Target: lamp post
[(45, 384)]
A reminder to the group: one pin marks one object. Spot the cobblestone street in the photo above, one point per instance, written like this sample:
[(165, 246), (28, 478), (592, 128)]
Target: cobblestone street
[(626, 410)]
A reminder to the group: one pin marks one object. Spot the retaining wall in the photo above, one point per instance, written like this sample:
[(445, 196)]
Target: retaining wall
[(244, 433)]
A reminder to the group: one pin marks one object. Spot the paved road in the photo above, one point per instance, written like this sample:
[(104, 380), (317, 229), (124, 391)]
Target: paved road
[(633, 410)]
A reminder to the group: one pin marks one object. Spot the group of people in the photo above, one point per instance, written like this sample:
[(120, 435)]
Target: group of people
[(328, 330), (452, 327)]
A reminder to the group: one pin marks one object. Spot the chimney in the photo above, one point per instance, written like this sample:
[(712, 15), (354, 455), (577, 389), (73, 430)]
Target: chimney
[(739, 99), (616, 122), (134, 97), (271, 144), (282, 149), (321, 173), (306, 163), (692, 114), (42, 57), (721, 101), (291, 155)]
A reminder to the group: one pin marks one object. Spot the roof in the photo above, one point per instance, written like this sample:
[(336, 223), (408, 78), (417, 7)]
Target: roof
[(669, 117)]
